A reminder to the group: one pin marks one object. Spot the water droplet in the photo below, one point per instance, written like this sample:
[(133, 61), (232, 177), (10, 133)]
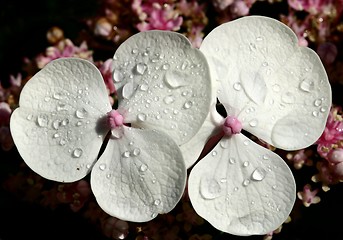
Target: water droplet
[(315, 114), (140, 68), (265, 157), (79, 123), (274, 187), (108, 176), (223, 180), (102, 166), (157, 202), (143, 167), (153, 215), (306, 85), (169, 99), (42, 121), (47, 99), (210, 188), (188, 104), (29, 117), (128, 90), (141, 117), (246, 182), (184, 65), (276, 88), (253, 123), (323, 109), (165, 66), (288, 98), (63, 142), (126, 154), (65, 122), (56, 135), (258, 174), (175, 79), (117, 75), (77, 152), (214, 153), (237, 86), (57, 96), (264, 64), (56, 124), (259, 38), (232, 160), (246, 163), (144, 87), (246, 142), (81, 113), (134, 51), (136, 152), (235, 189), (317, 102)]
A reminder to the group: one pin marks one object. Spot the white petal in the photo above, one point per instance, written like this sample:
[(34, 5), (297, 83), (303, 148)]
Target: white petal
[(268, 81), (163, 83), (139, 175), (58, 128), (191, 150), (242, 188)]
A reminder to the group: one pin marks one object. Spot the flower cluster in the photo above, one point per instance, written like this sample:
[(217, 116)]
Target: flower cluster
[(154, 96)]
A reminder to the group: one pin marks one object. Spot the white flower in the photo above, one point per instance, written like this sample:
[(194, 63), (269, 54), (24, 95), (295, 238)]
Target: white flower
[(278, 92), (164, 97)]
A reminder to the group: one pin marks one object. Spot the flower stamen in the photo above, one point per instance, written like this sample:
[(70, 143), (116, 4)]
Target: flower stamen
[(232, 126)]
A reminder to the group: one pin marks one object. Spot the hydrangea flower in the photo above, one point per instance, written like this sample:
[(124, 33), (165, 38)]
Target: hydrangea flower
[(164, 96), (277, 91)]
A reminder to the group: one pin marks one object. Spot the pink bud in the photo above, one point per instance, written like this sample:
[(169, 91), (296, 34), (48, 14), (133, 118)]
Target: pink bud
[(232, 126), (336, 156)]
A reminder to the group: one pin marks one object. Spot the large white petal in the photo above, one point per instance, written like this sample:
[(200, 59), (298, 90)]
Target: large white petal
[(163, 83), (58, 126), (139, 175), (242, 188), (278, 90)]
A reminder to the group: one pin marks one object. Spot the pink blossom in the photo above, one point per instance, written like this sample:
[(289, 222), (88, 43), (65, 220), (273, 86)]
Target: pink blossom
[(327, 52), (156, 15), (64, 48), (5, 113), (311, 6), (308, 197), (222, 4), (299, 158), (332, 136)]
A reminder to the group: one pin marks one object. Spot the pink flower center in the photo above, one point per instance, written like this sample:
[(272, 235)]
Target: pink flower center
[(114, 119), (232, 126)]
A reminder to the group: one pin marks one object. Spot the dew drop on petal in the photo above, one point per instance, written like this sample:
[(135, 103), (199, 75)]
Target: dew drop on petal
[(140, 68), (317, 102), (128, 90), (62, 142), (253, 123), (81, 113), (210, 188), (126, 154), (136, 152), (42, 121), (214, 153), (315, 114), (144, 87), (188, 104), (246, 182), (77, 152), (143, 168), (237, 86), (232, 160), (175, 79), (224, 143), (117, 76), (56, 135), (169, 99), (246, 163), (165, 66), (306, 85), (157, 202), (56, 124), (258, 174), (102, 166), (141, 117)]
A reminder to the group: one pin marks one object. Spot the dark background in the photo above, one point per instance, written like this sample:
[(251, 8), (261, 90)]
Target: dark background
[(23, 27)]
